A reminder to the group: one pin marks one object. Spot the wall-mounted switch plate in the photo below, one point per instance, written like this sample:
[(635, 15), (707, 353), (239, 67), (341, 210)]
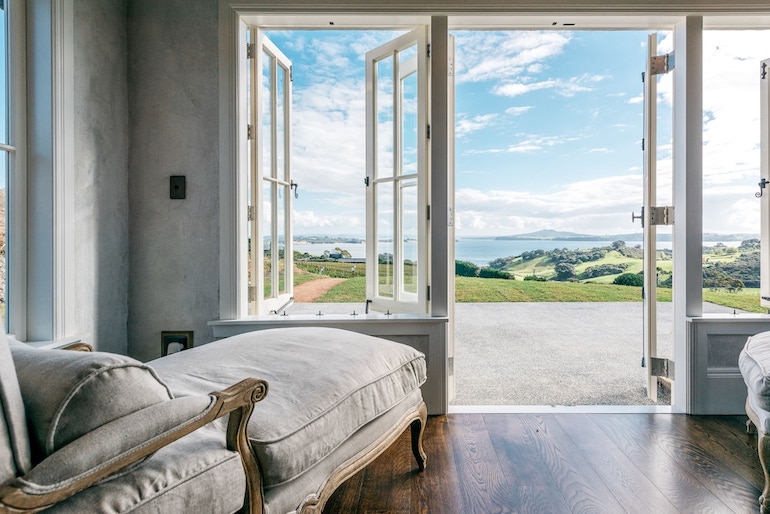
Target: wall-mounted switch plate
[(177, 187)]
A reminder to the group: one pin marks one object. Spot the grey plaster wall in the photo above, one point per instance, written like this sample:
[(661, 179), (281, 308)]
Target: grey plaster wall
[(101, 165), (173, 120)]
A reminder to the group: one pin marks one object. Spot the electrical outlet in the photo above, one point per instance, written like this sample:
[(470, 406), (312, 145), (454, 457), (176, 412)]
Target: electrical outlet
[(175, 341)]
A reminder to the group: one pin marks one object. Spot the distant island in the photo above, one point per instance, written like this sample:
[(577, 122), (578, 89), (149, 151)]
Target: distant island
[(556, 235)]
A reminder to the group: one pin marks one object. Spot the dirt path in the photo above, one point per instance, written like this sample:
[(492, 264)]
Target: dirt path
[(310, 291)]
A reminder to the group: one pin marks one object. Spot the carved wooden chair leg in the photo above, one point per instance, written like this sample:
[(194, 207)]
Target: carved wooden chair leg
[(418, 429), (763, 445)]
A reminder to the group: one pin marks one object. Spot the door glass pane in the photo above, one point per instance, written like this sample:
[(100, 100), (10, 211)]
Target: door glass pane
[(280, 258), (408, 239), (385, 239), (731, 168), (409, 127), (267, 115), (269, 243), (384, 129), (280, 106)]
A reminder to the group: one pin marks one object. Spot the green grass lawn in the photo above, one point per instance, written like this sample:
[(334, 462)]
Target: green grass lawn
[(480, 290)]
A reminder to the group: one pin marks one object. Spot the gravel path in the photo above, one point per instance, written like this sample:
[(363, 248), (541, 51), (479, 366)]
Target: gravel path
[(547, 353)]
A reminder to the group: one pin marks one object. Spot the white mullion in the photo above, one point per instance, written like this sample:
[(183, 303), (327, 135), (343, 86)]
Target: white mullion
[(274, 250), (288, 243), (398, 228), (258, 242)]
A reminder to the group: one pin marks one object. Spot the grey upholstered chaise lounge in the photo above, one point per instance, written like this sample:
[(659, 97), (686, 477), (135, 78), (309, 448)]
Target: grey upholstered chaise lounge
[(107, 433)]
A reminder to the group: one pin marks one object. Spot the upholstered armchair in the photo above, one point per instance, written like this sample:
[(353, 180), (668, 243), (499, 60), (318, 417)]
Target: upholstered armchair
[(100, 432)]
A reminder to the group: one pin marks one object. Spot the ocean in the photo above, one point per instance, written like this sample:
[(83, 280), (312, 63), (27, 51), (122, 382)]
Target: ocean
[(481, 251)]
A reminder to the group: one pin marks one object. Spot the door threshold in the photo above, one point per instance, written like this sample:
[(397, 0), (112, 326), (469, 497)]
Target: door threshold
[(561, 409)]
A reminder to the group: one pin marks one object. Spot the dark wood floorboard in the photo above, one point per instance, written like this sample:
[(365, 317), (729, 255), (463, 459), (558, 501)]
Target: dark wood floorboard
[(570, 463)]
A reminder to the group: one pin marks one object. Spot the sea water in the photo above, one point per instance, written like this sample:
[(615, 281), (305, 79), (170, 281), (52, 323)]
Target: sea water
[(481, 251)]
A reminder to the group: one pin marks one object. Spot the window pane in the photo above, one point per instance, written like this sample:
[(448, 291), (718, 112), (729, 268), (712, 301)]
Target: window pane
[(409, 125), (267, 225), (384, 128), (281, 240), (385, 237), (408, 239), (267, 112), (280, 125)]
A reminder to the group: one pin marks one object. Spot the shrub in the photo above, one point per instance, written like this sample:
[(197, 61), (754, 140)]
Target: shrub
[(466, 269), (603, 270), (629, 279), (494, 273), (535, 278)]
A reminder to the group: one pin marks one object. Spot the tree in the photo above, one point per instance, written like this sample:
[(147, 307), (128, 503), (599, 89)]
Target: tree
[(565, 271)]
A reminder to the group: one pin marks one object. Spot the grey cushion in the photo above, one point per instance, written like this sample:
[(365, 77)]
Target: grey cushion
[(324, 385), (194, 474), (14, 442), (68, 394)]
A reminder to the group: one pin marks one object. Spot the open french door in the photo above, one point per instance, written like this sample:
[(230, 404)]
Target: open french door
[(764, 180), (397, 174), (652, 216), (270, 266)]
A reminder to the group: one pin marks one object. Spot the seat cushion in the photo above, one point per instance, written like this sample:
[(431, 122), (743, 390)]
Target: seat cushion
[(324, 384), (194, 474), (15, 458), (67, 393), (754, 363)]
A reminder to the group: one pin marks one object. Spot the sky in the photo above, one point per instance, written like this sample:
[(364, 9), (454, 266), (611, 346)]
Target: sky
[(548, 128)]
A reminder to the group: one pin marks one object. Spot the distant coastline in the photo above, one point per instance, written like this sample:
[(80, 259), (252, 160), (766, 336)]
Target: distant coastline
[(482, 250)]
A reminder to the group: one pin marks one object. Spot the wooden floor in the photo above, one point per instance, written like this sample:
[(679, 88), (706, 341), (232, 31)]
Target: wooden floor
[(561, 463)]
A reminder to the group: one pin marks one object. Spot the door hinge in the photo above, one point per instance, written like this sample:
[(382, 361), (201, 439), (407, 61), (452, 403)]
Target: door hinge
[(428, 211), (661, 64), (249, 132), (428, 292), (250, 50), (291, 73), (662, 368), (251, 213), (427, 50), (662, 215), (366, 181), (763, 71), (642, 144), (428, 132), (642, 77)]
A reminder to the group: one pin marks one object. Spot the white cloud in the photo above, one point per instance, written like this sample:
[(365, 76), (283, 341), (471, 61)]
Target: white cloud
[(465, 125), (565, 87), (483, 56), (518, 111), (601, 206)]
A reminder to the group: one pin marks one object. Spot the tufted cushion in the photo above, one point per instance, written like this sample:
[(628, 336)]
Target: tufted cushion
[(325, 384), (67, 394)]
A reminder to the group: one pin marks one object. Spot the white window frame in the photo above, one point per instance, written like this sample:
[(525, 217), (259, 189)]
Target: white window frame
[(275, 181), (398, 301), (41, 293)]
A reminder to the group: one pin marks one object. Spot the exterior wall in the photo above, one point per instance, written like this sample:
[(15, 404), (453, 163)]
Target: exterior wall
[(173, 119), (101, 186)]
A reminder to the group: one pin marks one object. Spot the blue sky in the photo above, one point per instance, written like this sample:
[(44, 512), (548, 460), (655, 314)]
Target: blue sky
[(548, 130)]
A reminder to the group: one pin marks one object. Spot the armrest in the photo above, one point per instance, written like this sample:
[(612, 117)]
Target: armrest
[(124, 441)]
